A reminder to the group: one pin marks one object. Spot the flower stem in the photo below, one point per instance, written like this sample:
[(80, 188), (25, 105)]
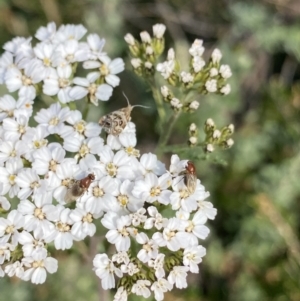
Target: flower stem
[(165, 135)]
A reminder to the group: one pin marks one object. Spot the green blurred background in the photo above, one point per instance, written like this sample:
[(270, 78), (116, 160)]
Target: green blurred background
[(253, 251)]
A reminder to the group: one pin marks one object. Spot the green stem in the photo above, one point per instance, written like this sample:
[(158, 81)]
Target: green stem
[(165, 135), (158, 100), (85, 111)]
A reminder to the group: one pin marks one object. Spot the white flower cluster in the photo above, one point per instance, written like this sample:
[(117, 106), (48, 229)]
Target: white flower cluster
[(154, 221), (51, 66), (215, 74)]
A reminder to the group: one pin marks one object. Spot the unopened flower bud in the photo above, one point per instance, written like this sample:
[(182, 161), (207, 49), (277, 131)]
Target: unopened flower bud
[(175, 103), (193, 140), (193, 127), (149, 50), (225, 71), (129, 39), (159, 30), (216, 134), (229, 142), (186, 77), (211, 85), (145, 37), (148, 65), (216, 56), (225, 90), (197, 49), (209, 148), (210, 123), (171, 54), (194, 105), (164, 91), (136, 63), (213, 72), (231, 128), (198, 63)]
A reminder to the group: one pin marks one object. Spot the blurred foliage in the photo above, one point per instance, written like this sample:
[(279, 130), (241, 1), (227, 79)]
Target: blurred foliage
[(253, 252)]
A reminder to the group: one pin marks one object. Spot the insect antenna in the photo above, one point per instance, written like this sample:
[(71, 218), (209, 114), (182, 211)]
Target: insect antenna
[(129, 105)]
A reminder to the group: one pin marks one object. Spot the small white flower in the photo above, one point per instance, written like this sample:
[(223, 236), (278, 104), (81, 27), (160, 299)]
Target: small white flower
[(4, 203), (140, 288), (192, 256), (119, 231), (159, 287), (15, 269), (172, 237), (130, 268), (39, 264), (155, 219), (121, 294), (158, 265), (83, 223), (16, 127), (149, 249), (61, 235), (9, 226), (48, 158), (35, 214), (121, 257), (153, 189), (105, 270), (8, 175), (53, 118), (29, 182), (178, 276), (46, 34), (88, 87), (96, 45), (31, 244), (58, 82)]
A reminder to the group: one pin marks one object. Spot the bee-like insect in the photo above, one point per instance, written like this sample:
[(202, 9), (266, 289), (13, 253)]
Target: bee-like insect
[(190, 178), (78, 188), (115, 122)]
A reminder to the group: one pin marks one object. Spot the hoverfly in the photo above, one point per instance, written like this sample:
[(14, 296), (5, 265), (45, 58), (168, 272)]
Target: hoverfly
[(78, 188), (190, 177)]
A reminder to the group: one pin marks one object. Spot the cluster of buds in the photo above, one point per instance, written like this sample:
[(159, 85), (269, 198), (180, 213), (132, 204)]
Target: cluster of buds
[(215, 137), (145, 53), (193, 134), (202, 77)]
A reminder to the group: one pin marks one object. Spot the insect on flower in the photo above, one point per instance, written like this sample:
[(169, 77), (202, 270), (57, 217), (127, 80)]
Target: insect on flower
[(78, 188), (190, 178), (115, 122)]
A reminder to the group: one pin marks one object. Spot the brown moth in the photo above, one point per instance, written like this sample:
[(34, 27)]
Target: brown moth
[(190, 178), (78, 188), (115, 122)]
